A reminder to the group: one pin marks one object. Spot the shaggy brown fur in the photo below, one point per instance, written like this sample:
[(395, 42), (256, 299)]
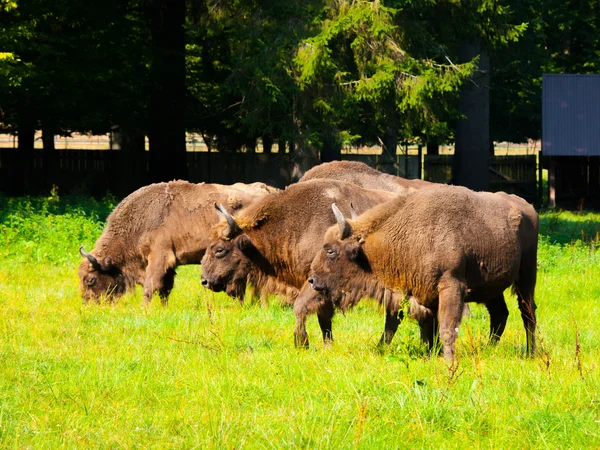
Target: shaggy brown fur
[(154, 230), (443, 246), (276, 239), (364, 176)]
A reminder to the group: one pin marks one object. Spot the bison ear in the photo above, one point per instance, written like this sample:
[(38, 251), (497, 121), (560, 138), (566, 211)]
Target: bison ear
[(107, 263), (234, 203), (244, 243), (353, 250)]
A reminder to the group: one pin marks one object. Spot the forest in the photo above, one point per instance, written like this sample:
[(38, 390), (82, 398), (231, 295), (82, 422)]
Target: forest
[(307, 76)]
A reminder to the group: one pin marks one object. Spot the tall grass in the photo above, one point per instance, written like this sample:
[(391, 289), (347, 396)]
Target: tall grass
[(208, 373)]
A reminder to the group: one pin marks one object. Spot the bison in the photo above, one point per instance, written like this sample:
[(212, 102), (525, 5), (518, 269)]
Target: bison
[(272, 243), (364, 176), (443, 246), (154, 230)]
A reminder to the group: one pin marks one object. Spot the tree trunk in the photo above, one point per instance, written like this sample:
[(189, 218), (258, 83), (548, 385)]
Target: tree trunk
[(250, 145), (130, 159), (388, 151), (168, 159), (471, 156), (48, 156), (23, 179), (433, 148), (267, 142), (281, 145), (332, 147), (390, 144)]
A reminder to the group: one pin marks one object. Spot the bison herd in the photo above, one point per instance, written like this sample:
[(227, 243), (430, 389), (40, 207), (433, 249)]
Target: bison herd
[(344, 232)]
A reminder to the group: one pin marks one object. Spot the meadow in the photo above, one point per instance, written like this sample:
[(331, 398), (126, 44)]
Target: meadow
[(206, 372)]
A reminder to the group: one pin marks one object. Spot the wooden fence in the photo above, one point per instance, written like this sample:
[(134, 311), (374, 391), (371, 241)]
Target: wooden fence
[(574, 181), (99, 171), (512, 174)]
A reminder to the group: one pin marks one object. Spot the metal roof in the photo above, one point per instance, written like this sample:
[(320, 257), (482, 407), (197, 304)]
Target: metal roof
[(571, 115)]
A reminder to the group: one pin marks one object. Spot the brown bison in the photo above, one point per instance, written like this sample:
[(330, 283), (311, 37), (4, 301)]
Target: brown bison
[(272, 243), (443, 246), (154, 230), (364, 176)]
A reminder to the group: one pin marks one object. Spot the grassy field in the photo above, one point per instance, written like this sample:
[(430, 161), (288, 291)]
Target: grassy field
[(208, 373)]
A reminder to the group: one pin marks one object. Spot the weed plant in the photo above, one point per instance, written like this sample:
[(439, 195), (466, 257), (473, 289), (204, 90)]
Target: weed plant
[(207, 372)]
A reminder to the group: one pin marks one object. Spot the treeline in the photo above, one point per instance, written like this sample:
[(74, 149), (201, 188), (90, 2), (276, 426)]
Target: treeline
[(306, 75)]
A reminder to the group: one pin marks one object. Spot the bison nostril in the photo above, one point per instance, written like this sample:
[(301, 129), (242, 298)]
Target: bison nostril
[(311, 281), (204, 282)]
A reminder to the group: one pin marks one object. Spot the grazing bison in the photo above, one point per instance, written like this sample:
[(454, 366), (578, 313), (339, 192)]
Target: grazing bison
[(443, 246), (364, 176), (154, 230), (272, 243)]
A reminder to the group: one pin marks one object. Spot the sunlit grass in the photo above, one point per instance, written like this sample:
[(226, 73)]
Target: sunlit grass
[(207, 372)]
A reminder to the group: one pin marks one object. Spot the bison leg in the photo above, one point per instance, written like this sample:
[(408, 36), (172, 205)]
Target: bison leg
[(300, 334), (304, 305), (325, 314), (451, 303), (525, 290), (157, 278), (429, 331), (392, 321), (496, 306), (167, 284), (427, 320), (525, 294), (393, 317)]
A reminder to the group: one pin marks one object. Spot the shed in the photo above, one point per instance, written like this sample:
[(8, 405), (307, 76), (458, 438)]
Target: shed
[(571, 138)]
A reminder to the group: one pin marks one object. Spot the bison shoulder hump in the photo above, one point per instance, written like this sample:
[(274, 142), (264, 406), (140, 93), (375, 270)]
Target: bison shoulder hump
[(515, 216)]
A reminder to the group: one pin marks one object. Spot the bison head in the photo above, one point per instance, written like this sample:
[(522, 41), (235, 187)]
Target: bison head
[(227, 261), (99, 278), (341, 266)]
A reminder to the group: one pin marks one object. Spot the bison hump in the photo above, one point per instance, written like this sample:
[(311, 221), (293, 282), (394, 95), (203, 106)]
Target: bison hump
[(515, 216)]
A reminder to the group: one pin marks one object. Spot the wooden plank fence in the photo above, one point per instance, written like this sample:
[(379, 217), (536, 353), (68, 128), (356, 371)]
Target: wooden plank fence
[(515, 174), (575, 181), (98, 171)]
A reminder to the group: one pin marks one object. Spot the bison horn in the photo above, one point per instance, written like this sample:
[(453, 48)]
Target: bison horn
[(89, 256), (345, 228), (233, 226), (353, 213)]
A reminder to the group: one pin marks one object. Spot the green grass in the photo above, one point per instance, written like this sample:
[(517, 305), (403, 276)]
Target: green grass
[(208, 373)]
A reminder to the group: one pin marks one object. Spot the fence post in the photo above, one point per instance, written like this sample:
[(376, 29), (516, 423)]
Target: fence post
[(551, 184), (420, 158), (540, 177)]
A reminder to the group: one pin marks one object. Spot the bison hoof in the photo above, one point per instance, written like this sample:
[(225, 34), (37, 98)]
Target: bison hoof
[(301, 342)]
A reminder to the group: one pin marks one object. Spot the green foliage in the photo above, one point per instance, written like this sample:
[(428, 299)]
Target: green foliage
[(363, 62), (239, 67), (50, 230), (318, 70), (560, 38), (206, 372), (74, 66)]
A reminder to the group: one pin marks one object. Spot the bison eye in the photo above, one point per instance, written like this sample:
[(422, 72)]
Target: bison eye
[(90, 281), (330, 253), (220, 252)]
